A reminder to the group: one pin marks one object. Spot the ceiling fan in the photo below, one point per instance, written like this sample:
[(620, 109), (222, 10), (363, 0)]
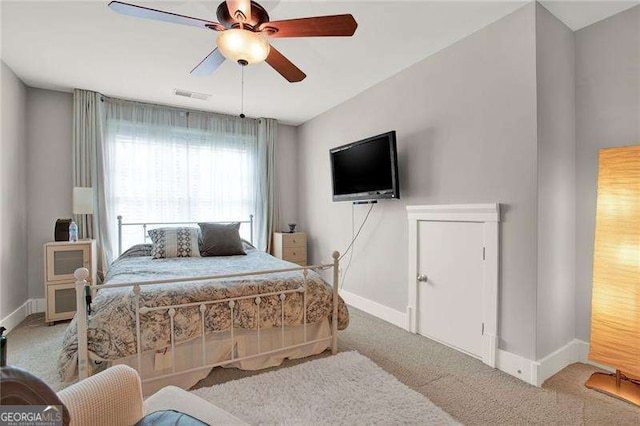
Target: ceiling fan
[(244, 26)]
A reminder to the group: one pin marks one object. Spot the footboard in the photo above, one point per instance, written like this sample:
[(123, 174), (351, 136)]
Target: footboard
[(84, 289)]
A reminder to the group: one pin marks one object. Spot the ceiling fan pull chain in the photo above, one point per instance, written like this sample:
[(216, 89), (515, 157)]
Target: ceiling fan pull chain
[(242, 91)]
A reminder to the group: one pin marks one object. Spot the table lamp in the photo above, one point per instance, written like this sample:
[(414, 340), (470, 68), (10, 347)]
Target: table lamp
[(83, 205), (615, 317)]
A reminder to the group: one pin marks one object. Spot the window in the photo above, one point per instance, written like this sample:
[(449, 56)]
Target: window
[(181, 170)]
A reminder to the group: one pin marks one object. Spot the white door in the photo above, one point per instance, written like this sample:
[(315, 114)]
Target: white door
[(450, 265)]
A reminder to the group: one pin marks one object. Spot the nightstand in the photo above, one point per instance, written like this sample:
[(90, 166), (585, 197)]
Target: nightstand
[(291, 247), (61, 259)]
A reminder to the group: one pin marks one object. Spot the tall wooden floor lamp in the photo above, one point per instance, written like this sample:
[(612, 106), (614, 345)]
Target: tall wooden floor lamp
[(615, 318)]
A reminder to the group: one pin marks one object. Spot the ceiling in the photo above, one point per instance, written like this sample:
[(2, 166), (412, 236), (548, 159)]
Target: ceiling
[(577, 14), (65, 44)]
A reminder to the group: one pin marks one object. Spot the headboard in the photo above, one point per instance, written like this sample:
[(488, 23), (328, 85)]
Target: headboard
[(145, 225)]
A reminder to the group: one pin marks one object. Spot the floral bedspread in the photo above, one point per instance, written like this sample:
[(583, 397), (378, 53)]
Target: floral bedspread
[(111, 326)]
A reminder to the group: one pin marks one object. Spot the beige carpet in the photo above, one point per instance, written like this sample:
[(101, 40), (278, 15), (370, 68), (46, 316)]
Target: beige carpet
[(464, 387), (35, 346)]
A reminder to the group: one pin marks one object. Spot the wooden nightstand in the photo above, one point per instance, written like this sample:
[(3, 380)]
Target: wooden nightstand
[(61, 259), (291, 247)]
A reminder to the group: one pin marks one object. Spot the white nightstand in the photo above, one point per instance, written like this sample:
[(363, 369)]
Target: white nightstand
[(291, 247), (61, 259)]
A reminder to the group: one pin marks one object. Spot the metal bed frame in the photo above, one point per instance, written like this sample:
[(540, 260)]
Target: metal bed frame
[(83, 288)]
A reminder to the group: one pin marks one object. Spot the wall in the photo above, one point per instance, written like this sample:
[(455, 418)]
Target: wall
[(555, 69), (607, 115), (49, 186), (466, 126), (13, 187), (287, 163), (49, 191)]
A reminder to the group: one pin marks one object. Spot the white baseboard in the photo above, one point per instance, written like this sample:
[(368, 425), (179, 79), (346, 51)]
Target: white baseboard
[(582, 355), (14, 318), (29, 307), (556, 361), (37, 305), (536, 372), (575, 351), (517, 366), (376, 309)]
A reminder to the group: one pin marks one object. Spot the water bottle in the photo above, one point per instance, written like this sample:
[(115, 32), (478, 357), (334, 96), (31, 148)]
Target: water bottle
[(73, 232)]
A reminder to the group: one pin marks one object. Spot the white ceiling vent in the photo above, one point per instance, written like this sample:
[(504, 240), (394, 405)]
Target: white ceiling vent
[(190, 94)]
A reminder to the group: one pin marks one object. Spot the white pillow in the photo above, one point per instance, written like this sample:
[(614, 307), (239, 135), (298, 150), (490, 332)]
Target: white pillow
[(174, 242)]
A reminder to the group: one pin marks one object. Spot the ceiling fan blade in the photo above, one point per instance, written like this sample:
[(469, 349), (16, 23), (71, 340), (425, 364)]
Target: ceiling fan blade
[(159, 15), (319, 26), (284, 66), (239, 6), (209, 64)]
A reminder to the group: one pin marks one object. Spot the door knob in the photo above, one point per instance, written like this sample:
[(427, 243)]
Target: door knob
[(422, 278)]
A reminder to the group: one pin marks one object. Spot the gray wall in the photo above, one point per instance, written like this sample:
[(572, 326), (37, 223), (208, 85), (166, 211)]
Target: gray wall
[(555, 68), (607, 115), (13, 187), (466, 126), (49, 186)]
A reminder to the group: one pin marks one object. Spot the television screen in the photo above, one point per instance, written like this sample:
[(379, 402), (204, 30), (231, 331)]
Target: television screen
[(366, 170)]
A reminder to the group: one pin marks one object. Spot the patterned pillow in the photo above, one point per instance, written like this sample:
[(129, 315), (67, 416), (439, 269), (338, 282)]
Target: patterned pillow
[(174, 242)]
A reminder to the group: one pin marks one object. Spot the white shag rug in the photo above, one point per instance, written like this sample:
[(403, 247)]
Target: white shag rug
[(346, 388)]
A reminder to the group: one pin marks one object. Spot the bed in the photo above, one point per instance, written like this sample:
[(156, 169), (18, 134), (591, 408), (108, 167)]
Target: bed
[(176, 319)]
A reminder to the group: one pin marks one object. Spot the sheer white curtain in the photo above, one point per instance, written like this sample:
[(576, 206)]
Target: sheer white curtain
[(168, 165)]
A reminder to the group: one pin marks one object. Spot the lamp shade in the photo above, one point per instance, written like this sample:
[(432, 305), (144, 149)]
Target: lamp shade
[(615, 318), (242, 45), (82, 200)]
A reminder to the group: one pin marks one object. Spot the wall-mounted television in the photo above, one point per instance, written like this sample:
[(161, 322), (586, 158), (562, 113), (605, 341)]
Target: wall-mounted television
[(366, 170)]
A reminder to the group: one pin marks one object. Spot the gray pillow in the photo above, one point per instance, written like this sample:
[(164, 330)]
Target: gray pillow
[(220, 239)]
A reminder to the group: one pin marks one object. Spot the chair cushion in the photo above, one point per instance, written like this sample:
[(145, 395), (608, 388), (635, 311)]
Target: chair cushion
[(169, 418), (19, 387), (174, 398)]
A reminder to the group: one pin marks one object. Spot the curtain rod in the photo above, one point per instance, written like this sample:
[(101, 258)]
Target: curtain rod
[(185, 110)]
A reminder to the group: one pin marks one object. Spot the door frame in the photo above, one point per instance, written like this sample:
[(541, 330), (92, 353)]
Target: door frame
[(489, 216)]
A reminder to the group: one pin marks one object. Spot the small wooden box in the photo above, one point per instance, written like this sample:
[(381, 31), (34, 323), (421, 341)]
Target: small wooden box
[(291, 247)]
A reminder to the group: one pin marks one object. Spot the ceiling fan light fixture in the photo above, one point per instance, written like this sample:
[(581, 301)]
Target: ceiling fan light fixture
[(243, 46)]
